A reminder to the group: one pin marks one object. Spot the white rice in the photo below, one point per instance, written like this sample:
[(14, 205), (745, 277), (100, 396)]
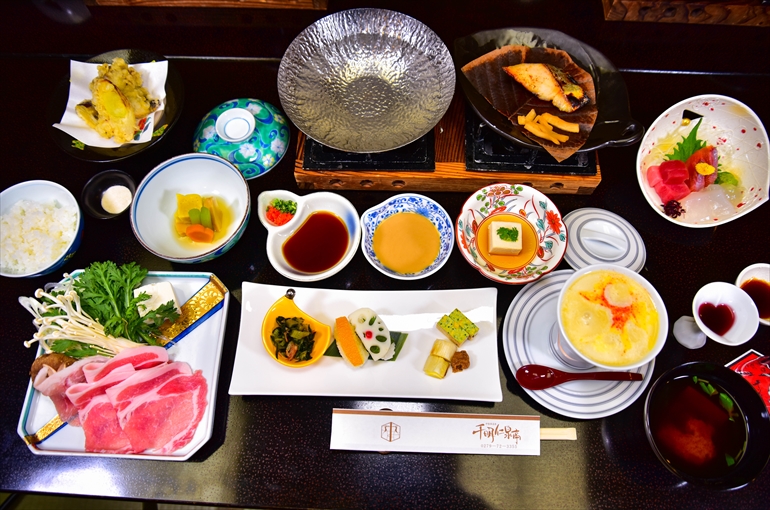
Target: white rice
[(34, 235)]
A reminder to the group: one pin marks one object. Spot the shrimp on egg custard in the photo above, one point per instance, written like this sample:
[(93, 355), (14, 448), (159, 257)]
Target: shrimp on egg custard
[(609, 318)]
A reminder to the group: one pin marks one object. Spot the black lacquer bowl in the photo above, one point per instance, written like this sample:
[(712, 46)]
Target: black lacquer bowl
[(753, 409), (171, 112), (614, 126)]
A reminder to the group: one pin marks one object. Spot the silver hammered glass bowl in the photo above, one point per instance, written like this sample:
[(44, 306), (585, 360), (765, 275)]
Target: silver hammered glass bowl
[(366, 80)]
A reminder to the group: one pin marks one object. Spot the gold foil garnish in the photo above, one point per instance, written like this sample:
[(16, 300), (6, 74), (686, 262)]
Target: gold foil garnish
[(44, 431), (196, 307)]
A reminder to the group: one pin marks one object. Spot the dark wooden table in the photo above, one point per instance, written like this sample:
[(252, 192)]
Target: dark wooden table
[(274, 451)]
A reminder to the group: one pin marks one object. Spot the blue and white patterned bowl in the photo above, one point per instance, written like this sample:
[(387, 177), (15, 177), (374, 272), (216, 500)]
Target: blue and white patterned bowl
[(152, 212), (408, 202), (43, 192), (250, 133)]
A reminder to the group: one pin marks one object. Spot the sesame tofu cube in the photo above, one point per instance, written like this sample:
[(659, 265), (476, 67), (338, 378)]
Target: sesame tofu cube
[(457, 327), (505, 237)]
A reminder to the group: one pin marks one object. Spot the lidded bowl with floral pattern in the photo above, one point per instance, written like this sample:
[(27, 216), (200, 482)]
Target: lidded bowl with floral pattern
[(250, 133)]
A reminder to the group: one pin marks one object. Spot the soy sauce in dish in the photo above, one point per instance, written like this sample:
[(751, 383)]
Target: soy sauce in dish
[(759, 291), (698, 427), (718, 318), (319, 243)]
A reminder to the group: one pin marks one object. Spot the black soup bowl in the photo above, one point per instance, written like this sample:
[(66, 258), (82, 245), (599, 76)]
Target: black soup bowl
[(708, 426)]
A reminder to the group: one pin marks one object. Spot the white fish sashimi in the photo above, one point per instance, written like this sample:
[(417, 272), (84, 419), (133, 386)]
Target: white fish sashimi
[(373, 333), (709, 204)]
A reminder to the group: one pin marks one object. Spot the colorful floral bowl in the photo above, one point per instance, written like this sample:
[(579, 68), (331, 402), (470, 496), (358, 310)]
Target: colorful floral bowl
[(45, 193), (155, 203), (743, 148), (277, 235), (250, 133), (407, 202), (525, 203)]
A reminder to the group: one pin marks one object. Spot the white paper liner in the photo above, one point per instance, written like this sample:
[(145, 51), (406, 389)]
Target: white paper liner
[(81, 73)]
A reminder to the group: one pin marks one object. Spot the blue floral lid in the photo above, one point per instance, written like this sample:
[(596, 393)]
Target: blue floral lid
[(249, 133)]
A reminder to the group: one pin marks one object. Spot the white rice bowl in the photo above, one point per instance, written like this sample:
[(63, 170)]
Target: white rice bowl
[(40, 228)]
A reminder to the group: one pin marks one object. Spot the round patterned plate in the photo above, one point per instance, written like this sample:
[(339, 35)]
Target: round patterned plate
[(250, 133), (601, 237), (529, 205), (526, 330)]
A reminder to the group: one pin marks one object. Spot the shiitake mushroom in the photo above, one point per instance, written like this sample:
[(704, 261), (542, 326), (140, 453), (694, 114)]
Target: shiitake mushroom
[(54, 360)]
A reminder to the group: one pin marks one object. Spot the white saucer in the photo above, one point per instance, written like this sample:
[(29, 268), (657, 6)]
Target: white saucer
[(598, 236), (526, 340)]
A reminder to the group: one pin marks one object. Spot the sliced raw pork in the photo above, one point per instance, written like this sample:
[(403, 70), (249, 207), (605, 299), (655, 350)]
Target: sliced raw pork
[(97, 414), (54, 385), (159, 408), (138, 357)]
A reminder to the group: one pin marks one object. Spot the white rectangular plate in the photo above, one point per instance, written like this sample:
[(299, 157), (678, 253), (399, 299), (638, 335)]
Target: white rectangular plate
[(413, 312), (201, 349)]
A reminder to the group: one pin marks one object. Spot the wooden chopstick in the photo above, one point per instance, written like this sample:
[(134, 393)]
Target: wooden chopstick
[(567, 434)]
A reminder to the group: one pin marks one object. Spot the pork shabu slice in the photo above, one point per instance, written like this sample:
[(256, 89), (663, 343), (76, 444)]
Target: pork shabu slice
[(97, 414), (54, 385), (140, 358), (159, 408)]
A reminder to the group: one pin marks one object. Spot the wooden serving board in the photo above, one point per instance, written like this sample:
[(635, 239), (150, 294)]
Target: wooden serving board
[(450, 173)]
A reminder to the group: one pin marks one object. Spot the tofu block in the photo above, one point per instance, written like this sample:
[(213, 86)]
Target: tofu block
[(160, 293), (457, 327), (505, 237)]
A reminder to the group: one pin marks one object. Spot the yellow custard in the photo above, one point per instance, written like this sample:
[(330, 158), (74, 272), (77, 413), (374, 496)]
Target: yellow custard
[(406, 242), (609, 318)]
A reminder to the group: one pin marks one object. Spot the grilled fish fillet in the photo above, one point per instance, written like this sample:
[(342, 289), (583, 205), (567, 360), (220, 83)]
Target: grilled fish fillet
[(549, 84)]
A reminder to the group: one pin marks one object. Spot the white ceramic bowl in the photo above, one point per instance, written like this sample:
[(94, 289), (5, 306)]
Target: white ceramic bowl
[(154, 205), (746, 316), (408, 202), (42, 192), (306, 205), (742, 143), (760, 271), (660, 340)]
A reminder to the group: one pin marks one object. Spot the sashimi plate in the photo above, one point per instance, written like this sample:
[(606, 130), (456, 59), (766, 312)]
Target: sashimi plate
[(201, 348), (411, 312), (526, 331)]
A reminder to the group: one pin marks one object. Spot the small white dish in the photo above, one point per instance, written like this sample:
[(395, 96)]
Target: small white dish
[(408, 202), (155, 203), (746, 317), (598, 236), (741, 141), (760, 271), (306, 205), (657, 301)]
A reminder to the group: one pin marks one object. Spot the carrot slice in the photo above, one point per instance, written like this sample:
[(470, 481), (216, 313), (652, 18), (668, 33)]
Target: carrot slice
[(200, 233)]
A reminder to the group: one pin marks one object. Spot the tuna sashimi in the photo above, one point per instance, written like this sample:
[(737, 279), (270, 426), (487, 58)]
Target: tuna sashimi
[(669, 180), (669, 192), (702, 168), (139, 358), (673, 172), (653, 176)]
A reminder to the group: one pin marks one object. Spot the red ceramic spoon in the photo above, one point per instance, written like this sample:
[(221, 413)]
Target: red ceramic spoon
[(539, 377)]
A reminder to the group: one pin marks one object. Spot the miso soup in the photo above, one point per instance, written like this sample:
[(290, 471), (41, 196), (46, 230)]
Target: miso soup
[(698, 427)]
